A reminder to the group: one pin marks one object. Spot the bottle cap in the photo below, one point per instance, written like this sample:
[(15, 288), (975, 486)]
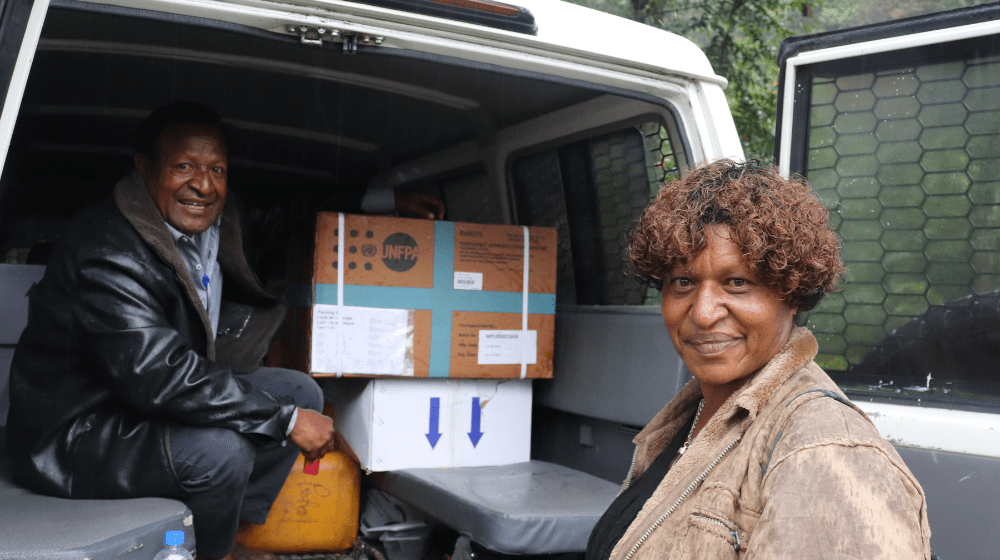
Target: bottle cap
[(173, 538)]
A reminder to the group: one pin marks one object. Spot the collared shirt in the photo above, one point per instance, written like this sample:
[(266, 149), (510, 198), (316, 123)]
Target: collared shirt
[(200, 253)]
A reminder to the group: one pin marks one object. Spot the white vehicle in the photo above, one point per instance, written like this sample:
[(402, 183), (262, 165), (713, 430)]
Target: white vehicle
[(544, 113)]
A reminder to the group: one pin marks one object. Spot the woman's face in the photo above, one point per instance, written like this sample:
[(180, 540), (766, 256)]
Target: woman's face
[(724, 323)]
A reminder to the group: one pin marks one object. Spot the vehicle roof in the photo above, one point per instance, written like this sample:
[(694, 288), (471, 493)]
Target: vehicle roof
[(563, 29), (583, 29)]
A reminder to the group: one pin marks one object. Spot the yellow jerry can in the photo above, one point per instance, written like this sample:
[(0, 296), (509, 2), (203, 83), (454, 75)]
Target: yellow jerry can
[(316, 510)]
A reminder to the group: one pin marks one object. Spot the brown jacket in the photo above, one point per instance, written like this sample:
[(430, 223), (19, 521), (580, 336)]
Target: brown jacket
[(780, 471)]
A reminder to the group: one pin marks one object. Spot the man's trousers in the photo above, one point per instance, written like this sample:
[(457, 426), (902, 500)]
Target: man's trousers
[(226, 476)]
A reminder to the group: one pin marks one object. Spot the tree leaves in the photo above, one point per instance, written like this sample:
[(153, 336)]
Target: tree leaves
[(740, 38)]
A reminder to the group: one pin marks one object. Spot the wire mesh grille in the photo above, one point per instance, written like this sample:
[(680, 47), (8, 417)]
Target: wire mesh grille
[(623, 165), (907, 160), (540, 177), (662, 167), (591, 191)]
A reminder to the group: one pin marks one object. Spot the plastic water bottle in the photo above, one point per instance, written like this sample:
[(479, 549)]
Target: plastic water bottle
[(175, 547)]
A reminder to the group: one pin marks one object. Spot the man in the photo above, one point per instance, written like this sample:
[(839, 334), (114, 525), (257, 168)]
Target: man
[(138, 373)]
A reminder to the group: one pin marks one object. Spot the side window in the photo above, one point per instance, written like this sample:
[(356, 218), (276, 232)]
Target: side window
[(906, 156), (592, 190), (470, 198)]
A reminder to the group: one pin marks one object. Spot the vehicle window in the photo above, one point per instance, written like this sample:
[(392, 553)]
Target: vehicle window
[(468, 195), (592, 190), (469, 198), (904, 150)]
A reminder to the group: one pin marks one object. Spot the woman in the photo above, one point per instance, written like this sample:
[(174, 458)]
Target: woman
[(760, 455)]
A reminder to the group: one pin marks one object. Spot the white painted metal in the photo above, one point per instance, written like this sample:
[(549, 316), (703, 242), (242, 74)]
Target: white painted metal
[(721, 128), (567, 32), (785, 147), (571, 43), (700, 147), (926, 38), (19, 78), (559, 52), (937, 429)]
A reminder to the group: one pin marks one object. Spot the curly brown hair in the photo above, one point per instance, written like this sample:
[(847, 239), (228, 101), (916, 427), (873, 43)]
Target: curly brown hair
[(782, 228)]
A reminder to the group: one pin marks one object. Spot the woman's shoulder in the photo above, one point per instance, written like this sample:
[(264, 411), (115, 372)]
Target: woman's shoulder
[(817, 415), (825, 416), (811, 410)]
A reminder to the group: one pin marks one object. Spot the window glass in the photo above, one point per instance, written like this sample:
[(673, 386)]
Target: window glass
[(906, 157), (591, 191), (470, 198)]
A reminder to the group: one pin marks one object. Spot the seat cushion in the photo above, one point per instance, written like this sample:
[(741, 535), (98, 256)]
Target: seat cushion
[(34, 527), (524, 508)]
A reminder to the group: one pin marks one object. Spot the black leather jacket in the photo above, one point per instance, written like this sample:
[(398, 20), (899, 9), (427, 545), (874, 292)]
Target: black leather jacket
[(118, 347)]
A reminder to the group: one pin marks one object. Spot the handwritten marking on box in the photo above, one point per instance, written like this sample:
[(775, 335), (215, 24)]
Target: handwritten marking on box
[(468, 280), (359, 340), (505, 347)]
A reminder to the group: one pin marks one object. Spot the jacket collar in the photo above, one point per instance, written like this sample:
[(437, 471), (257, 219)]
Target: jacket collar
[(741, 407), (136, 205), (800, 349)]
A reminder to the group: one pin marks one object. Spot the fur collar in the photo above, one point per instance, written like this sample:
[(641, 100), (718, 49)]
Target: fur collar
[(740, 409)]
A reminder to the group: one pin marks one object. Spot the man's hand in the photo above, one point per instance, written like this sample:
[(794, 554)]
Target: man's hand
[(420, 204), (313, 433)]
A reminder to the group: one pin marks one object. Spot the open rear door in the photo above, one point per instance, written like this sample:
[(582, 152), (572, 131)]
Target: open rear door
[(20, 25), (897, 127)]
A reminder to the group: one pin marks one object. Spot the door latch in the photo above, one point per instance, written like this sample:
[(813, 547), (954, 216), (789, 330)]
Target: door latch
[(314, 36)]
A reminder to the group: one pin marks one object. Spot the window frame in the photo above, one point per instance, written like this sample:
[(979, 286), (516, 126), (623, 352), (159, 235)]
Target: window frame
[(21, 24), (666, 120)]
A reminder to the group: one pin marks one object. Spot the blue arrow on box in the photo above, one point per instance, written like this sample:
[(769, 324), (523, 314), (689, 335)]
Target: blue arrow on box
[(433, 432), (476, 434)]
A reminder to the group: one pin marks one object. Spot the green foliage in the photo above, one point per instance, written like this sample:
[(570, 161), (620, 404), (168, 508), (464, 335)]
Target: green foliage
[(839, 14), (740, 38)]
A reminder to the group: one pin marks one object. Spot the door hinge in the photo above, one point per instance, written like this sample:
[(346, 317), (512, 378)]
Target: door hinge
[(314, 36)]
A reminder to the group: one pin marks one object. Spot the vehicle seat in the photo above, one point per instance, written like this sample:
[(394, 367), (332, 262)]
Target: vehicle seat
[(540, 507), (525, 508), (35, 527)]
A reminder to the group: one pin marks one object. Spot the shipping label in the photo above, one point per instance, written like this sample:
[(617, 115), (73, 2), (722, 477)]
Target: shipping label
[(468, 280), (507, 347), (369, 340)]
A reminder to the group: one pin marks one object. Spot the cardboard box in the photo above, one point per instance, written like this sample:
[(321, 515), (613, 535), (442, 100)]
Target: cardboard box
[(419, 298), (416, 423)]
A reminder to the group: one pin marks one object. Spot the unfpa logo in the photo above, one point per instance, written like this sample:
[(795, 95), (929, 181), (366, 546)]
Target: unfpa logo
[(400, 252)]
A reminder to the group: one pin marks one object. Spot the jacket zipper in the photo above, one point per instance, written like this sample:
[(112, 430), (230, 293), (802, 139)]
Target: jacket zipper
[(686, 493), (736, 536), (631, 470)]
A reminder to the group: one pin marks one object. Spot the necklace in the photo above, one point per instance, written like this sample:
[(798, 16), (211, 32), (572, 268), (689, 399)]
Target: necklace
[(690, 437)]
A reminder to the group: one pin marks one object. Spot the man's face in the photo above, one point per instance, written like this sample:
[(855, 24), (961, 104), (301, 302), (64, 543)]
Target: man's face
[(188, 179)]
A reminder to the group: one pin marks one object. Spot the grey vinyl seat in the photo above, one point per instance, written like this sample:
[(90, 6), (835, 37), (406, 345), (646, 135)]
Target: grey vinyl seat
[(35, 527), (544, 508), (525, 508)]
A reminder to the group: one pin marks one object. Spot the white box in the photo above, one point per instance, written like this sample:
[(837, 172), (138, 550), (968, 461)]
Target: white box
[(391, 423)]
